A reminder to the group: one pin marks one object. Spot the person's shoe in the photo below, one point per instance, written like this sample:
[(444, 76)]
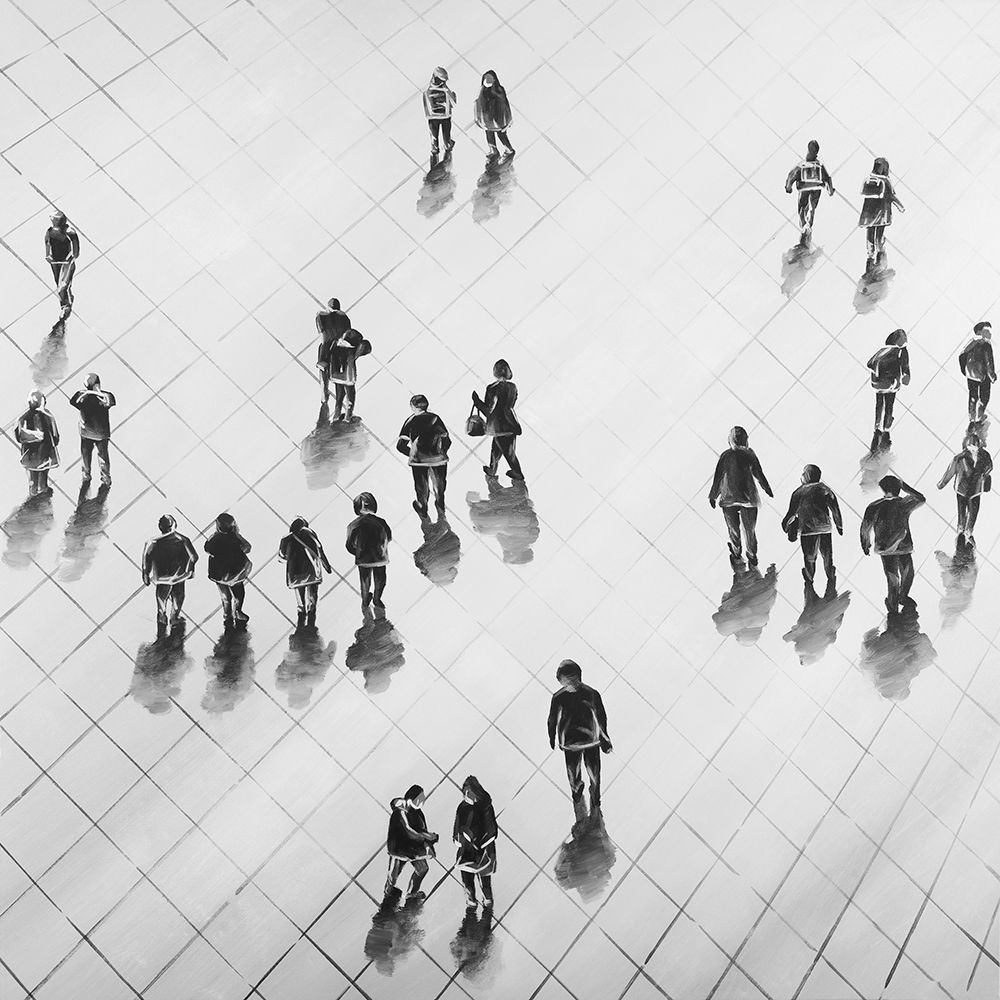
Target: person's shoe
[(300, 620), (366, 600), (414, 898), (227, 622), (470, 902), (104, 481), (420, 508), (487, 903), (161, 619), (970, 541), (241, 616), (876, 438), (752, 561), (435, 149), (890, 606), (439, 505), (310, 618), (807, 576), (510, 151), (886, 443), (379, 603), (449, 145), (516, 476), (492, 473), (85, 479)]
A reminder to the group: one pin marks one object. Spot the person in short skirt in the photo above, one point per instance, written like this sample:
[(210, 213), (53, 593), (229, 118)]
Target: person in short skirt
[(501, 421), (475, 837), (876, 212)]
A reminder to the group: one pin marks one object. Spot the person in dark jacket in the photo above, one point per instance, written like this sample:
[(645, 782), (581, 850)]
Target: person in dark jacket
[(971, 471), (976, 362), (229, 567), (439, 100), (167, 562), (734, 488), (408, 842), (809, 178), (890, 370), (425, 441), (38, 435), (579, 723), (889, 519), (475, 836), (493, 114), (305, 560), (95, 426), (809, 515), (876, 212), (368, 538), (501, 421), (331, 324), (62, 247)]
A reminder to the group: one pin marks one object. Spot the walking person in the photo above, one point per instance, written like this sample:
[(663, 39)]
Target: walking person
[(809, 178), (93, 402), (812, 507), (976, 363), (408, 842), (343, 371), (493, 114), (890, 370), (368, 538), (475, 836), (38, 435), (501, 421), (305, 560), (734, 488), (971, 470), (888, 518), (425, 441), (876, 213), (62, 248), (579, 723), (168, 560), (331, 324), (229, 568), (439, 100)]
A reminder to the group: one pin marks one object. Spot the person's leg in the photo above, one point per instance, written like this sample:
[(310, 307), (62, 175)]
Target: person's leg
[(870, 247), (879, 410), (239, 592), (440, 476), (350, 395), (826, 548), (338, 400), (891, 569), (104, 460), (434, 124), (87, 456), (985, 388), (392, 876), (300, 601), (574, 771), (226, 595), (421, 486), (890, 405), (32, 482), (732, 516), (592, 761), (508, 446), (970, 524), (43, 480), (312, 596), (446, 133), (178, 598), (973, 399), (70, 274), (379, 575), (469, 881), (749, 517), (162, 591), (808, 543), (420, 869), (905, 577), (56, 273), (804, 213), (496, 450), (503, 138), (365, 576), (486, 884), (491, 138), (962, 504)]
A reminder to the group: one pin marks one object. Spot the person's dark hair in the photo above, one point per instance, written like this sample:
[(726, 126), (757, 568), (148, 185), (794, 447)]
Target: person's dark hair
[(897, 338), (225, 522), (166, 523), (365, 502), (881, 166), (813, 147), (982, 325), (298, 524), (471, 784), (813, 473), (568, 668), (502, 370), (334, 304), (740, 437), (970, 439), (497, 85), (890, 485), (419, 401), (58, 217), (413, 791)]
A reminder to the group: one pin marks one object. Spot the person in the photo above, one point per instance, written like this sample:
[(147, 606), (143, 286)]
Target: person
[(304, 558), (809, 178), (971, 471), (229, 567), (95, 426), (439, 99), (38, 435), (408, 841), (876, 212), (501, 421), (167, 561), (735, 490), (578, 721), (493, 113), (331, 324), (890, 370), (976, 363), (809, 514), (62, 247), (475, 836), (889, 519), (368, 538), (425, 441)]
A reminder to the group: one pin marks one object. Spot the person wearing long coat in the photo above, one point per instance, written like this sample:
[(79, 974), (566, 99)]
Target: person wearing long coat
[(501, 421), (475, 836), (876, 212), (304, 558), (493, 114), (229, 567), (38, 436), (408, 842)]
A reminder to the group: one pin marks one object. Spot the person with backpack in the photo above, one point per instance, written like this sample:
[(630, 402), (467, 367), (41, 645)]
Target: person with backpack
[(810, 510), (971, 471), (888, 518), (439, 100), (304, 559), (809, 178), (876, 213), (976, 363), (890, 370)]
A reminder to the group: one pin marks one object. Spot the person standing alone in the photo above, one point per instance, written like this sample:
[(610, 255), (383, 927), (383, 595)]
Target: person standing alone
[(95, 426), (976, 362), (62, 247)]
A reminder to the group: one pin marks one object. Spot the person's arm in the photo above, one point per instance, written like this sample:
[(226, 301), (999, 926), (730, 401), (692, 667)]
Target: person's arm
[(454, 830), (417, 834), (553, 723), (827, 180), (147, 564), (892, 195), (443, 437), (388, 531), (403, 442), (987, 462), (834, 505), (602, 722), (48, 246), (904, 365), (53, 429), (758, 474), (963, 358), (283, 548), (713, 493), (990, 370), (793, 510), (191, 552), (867, 523), (77, 398), (915, 495), (949, 475), (74, 244), (107, 399), (490, 830), (351, 543), (244, 544), (793, 176), (322, 555)]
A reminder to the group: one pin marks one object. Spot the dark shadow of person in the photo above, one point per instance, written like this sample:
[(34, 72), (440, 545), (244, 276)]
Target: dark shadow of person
[(160, 667), (438, 186), (817, 627), (508, 513), (872, 289), (877, 462), (958, 575), (438, 557), (304, 665), (746, 606), (229, 671), (493, 188), (587, 856), (894, 655), (51, 361), (377, 651), (473, 948), (84, 532), (25, 530), (329, 447), (394, 933), (795, 265)]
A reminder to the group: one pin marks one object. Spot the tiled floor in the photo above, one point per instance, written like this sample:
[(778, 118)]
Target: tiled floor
[(801, 803)]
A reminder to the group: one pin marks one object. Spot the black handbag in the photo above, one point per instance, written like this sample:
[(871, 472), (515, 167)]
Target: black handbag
[(475, 426)]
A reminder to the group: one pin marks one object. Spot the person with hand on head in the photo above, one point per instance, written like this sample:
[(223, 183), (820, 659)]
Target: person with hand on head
[(810, 510), (809, 178), (368, 538), (888, 518), (304, 558), (971, 469), (408, 842), (168, 560), (976, 363), (93, 402), (425, 442), (62, 247), (229, 567), (439, 100), (38, 435)]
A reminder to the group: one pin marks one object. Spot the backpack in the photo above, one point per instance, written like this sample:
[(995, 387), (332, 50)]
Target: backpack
[(885, 366), (874, 187), (810, 174)]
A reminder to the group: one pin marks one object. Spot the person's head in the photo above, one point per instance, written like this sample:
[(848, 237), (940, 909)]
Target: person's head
[(738, 438), (881, 166), (971, 442), (569, 674), (225, 523), (472, 791), (59, 220), (897, 338), (983, 329), (502, 370), (418, 403), (415, 795), (36, 400), (298, 525), (93, 381), (811, 474), (440, 75), (490, 79), (333, 304), (812, 150), (889, 485), (166, 523), (365, 503)]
